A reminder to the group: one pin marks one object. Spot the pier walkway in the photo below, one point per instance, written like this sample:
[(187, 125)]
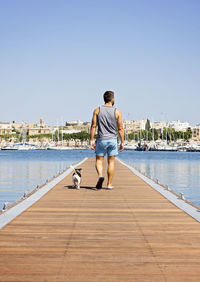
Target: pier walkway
[(131, 233)]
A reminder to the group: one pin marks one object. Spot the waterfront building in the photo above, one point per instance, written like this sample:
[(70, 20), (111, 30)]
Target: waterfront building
[(140, 124), (178, 125), (75, 123), (196, 133), (5, 128), (77, 127), (38, 128), (134, 126), (159, 125), (128, 125), (17, 126)]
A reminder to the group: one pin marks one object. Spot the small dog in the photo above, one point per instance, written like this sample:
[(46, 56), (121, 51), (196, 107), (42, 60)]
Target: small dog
[(76, 178)]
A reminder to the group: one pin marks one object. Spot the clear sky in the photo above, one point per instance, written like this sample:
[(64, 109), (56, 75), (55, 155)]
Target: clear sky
[(57, 57)]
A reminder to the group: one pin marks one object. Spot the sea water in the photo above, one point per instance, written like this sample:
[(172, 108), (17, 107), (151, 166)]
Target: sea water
[(22, 171), (179, 170)]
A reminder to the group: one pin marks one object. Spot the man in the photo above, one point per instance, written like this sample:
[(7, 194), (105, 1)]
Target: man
[(109, 121)]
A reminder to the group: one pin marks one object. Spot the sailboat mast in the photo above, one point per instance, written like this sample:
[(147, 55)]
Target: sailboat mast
[(62, 130)]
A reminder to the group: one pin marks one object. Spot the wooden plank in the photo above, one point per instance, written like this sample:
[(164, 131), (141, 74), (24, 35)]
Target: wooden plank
[(131, 233)]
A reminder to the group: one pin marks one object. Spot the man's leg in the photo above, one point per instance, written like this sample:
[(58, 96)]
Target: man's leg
[(99, 165), (111, 169), (99, 168)]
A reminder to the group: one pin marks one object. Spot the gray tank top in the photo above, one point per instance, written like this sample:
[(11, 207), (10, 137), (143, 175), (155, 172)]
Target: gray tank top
[(107, 123)]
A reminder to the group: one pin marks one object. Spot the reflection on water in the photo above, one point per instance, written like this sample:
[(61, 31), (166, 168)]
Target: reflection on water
[(181, 171), (22, 171)]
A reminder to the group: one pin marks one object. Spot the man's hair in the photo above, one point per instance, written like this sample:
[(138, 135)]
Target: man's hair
[(108, 95)]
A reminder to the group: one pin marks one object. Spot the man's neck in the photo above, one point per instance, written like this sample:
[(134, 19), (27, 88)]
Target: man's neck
[(108, 104)]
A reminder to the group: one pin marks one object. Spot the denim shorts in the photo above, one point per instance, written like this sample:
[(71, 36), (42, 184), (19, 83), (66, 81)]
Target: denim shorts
[(106, 147)]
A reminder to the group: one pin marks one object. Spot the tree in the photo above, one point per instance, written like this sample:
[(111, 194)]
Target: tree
[(133, 136), (148, 125), (188, 134), (154, 133), (79, 136)]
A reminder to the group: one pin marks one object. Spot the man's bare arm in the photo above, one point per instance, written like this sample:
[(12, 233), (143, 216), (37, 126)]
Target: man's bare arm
[(93, 128), (120, 128)]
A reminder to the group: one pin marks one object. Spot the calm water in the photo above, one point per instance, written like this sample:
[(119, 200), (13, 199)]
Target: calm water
[(21, 171), (179, 170)]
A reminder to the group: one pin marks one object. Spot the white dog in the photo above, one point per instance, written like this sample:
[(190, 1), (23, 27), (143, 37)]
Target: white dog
[(76, 177)]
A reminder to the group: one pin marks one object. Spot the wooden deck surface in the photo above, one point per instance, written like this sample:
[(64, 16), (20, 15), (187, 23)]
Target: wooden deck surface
[(130, 233)]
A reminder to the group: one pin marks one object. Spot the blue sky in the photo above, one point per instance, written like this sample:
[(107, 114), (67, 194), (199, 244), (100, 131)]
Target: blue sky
[(58, 57)]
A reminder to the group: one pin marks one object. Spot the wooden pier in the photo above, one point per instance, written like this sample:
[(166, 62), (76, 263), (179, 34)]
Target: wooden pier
[(131, 233)]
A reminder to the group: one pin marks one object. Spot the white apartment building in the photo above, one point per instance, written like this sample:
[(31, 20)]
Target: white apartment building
[(178, 125), (131, 125), (75, 122)]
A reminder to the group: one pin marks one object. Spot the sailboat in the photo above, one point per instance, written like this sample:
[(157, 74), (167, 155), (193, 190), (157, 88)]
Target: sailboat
[(130, 147), (59, 146), (10, 147), (24, 146)]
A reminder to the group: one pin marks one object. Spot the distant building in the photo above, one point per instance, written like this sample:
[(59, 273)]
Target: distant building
[(139, 125), (134, 126), (128, 125), (196, 133), (159, 125), (77, 126), (5, 128), (38, 128), (178, 125), (75, 122), (17, 126)]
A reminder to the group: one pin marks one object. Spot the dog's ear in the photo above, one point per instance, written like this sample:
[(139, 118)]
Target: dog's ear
[(79, 168)]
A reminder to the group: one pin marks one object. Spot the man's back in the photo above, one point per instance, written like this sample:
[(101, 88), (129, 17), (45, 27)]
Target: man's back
[(107, 123)]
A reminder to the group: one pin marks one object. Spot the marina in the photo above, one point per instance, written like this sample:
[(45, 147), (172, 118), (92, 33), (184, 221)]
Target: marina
[(47, 146), (181, 146), (131, 233)]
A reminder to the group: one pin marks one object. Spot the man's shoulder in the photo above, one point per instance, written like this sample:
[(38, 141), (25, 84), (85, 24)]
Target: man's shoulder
[(96, 111), (118, 113)]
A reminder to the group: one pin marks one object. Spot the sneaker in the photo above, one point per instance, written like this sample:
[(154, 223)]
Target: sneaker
[(100, 183), (110, 187)]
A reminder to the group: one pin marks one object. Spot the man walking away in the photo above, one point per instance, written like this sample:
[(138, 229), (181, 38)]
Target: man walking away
[(109, 121)]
